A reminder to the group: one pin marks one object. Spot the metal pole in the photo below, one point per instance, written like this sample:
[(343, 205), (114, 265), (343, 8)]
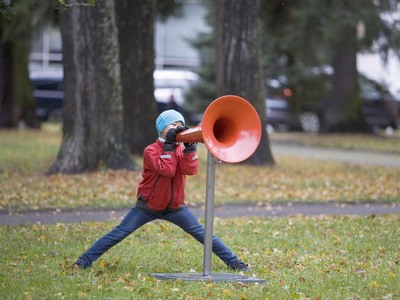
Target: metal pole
[(209, 214), (208, 240)]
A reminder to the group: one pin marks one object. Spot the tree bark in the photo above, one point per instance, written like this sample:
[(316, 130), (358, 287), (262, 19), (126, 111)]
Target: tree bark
[(7, 118), (238, 61), (92, 108), (135, 20)]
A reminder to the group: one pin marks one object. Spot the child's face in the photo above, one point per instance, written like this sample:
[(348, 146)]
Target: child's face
[(173, 125)]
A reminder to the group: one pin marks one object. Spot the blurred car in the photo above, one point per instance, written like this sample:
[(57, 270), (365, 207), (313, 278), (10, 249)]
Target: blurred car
[(171, 87), (280, 115), (380, 109), (48, 94), (279, 109)]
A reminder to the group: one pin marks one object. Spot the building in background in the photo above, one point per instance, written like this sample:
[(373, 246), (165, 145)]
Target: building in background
[(174, 51), (172, 41), (172, 37)]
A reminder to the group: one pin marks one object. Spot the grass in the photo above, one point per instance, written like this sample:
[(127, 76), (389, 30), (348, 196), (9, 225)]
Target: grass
[(26, 155), (28, 151), (301, 257)]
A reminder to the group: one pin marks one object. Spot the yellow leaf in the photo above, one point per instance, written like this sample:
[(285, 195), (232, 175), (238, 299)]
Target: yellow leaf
[(373, 284)]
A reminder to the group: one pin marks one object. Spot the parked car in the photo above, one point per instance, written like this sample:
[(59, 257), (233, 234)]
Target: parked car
[(48, 93), (171, 87), (281, 115), (379, 108)]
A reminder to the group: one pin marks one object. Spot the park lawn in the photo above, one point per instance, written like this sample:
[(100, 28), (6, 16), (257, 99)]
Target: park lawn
[(301, 257), (26, 155)]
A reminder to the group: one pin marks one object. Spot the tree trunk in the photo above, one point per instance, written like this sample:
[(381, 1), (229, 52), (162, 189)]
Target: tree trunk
[(7, 118), (92, 108), (22, 88), (135, 20), (238, 61), (341, 111), (17, 105)]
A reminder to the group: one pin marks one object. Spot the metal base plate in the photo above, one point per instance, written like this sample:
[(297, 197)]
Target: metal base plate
[(214, 277)]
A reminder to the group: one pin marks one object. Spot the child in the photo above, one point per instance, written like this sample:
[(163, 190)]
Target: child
[(161, 194)]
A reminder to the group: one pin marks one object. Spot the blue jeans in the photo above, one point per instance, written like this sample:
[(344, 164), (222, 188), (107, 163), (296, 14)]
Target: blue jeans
[(137, 217)]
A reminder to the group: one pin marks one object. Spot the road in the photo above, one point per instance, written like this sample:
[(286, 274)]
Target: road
[(226, 211), (350, 156)]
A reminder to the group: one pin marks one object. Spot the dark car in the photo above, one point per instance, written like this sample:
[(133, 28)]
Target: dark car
[(379, 108), (280, 112), (48, 93), (280, 115)]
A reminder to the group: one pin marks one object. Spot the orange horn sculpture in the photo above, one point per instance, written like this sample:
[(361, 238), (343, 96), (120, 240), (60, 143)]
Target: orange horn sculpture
[(230, 129)]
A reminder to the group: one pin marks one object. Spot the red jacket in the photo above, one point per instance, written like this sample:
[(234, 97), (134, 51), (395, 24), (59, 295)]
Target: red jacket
[(164, 176)]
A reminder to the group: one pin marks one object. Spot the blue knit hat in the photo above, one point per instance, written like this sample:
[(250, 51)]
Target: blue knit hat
[(168, 117)]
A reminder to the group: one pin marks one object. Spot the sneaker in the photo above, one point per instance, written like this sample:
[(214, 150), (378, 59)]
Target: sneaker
[(239, 266), (78, 266)]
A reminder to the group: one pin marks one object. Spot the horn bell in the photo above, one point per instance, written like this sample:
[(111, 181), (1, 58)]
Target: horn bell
[(230, 129)]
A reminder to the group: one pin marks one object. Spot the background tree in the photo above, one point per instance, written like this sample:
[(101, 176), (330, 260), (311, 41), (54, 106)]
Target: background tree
[(16, 102), (342, 109), (238, 60), (204, 91), (302, 35), (92, 117), (135, 21)]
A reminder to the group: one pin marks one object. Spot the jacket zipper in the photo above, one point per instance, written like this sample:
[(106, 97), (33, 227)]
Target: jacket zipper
[(172, 192), (152, 189)]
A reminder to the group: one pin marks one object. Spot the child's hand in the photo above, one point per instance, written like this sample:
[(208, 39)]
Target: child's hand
[(169, 144), (190, 147), (171, 134)]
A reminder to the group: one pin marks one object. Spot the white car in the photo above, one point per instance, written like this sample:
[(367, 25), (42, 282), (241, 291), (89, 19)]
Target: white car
[(173, 85), (170, 89)]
